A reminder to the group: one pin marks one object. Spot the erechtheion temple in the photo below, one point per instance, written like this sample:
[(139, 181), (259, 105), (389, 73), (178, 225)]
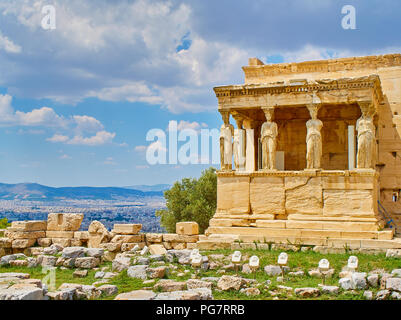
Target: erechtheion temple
[(315, 154)]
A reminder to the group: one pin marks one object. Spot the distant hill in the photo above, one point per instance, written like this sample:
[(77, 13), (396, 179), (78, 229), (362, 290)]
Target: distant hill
[(37, 192), (156, 187)]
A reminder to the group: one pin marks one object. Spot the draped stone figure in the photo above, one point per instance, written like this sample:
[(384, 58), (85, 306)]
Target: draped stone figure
[(268, 134), (226, 143), (366, 141), (313, 139), (239, 145)]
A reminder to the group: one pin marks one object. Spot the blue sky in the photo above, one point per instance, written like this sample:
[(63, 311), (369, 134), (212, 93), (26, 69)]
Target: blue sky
[(76, 102)]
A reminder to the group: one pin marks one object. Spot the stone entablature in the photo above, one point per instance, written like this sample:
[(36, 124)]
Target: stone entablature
[(257, 70), (299, 93)]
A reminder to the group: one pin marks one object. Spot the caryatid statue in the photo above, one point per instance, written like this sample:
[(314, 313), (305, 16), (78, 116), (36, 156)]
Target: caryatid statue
[(239, 145), (366, 140), (226, 142), (313, 138), (268, 135)]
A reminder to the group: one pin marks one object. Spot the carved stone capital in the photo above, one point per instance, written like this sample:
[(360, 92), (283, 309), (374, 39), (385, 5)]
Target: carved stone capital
[(313, 109), (225, 115), (367, 108)]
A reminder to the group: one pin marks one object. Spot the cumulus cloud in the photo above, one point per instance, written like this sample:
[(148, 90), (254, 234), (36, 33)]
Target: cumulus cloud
[(81, 125), (171, 53), (101, 137), (8, 46)]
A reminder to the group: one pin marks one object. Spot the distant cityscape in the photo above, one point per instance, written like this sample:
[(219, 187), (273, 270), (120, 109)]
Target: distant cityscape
[(29, 202)]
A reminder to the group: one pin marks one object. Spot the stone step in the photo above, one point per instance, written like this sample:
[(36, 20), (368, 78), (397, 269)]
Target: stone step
[(297, 224), (214, 244), (304, 233)]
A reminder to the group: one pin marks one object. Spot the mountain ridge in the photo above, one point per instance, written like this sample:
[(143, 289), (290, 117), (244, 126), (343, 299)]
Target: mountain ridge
[(38, 192)]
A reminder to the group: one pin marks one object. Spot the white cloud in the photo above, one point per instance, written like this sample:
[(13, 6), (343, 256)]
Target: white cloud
[(8, 46), (87, 124), (47, 117), (101, 137), (65, 157), (58, 138), (140, 148)]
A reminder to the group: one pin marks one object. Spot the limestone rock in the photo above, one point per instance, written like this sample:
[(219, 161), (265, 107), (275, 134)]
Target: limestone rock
[(136, 295), (229, 283), (250, 291), (368, 295), (359, 280), (195, 283), (120, 264), (155, 273), (127, 228), (138, 272), (170, 285), (393, 284), (187, 228), (64, 221), (307, 292), (94, 252), (87, 262), (383, 294), (73, 252), (345, 283), (272, 270), (98, 234), (157, 249), (393, 253), (373, 280), (80, 273), (108, 289), (330, 289)]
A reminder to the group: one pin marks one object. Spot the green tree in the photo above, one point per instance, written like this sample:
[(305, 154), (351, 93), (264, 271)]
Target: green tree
[(190, 200), (4, 223)]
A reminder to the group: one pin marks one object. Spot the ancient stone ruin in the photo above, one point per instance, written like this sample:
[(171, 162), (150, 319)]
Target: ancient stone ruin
[(316, 155)]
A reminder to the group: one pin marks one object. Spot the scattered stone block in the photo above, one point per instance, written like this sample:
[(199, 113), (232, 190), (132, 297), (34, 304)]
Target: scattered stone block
[(187, 228), (393, 284), (127, 229), (44, 242), (80, 273), (156, 273), (87, 262), (120, 264), (59, 234), (170, 285), (108, 290), (22, 243), (154, 237), (97, 234), (32, 225), (62, 242), (64, 221), (229, 283), (136, 295), (307, 292), (157, 249), (73, 252)]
